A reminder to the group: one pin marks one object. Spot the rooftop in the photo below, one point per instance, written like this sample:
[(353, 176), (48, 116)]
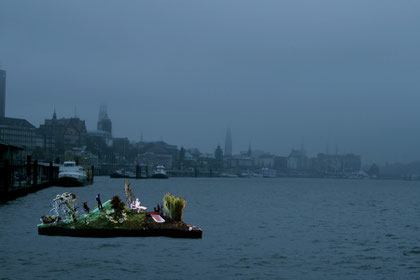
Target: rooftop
[(22, 123)]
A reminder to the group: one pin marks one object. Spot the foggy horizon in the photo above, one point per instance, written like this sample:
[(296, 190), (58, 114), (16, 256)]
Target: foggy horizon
[(279, 74)]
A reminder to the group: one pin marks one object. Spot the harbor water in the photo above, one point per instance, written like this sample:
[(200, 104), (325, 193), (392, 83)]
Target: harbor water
[(254, 228)]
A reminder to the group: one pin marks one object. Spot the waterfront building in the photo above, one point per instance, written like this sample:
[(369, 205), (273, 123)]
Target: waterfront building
[(257, 153), (121, 145), (18, 132), (10, 152), (81, 156), (228, 143), (99, 140), (206, 163), (158, 152), (104, 122), (100, 143), (297, 160), (265, 161), (218, 154), (46, 143), (65, 133), (159, 147), (2, 93), (280, 163), (240, 161), (152, 160), (188, 159), (351, 163), (336, 163)]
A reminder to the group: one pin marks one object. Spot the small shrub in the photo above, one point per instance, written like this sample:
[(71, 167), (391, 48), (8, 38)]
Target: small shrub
[(118, 206)]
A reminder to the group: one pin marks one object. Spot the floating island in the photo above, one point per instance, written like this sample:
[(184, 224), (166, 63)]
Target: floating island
[(118, 219)]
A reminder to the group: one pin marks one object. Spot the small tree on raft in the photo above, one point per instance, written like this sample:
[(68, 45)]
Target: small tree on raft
[(174, 206), (129, 196), (117, 205)]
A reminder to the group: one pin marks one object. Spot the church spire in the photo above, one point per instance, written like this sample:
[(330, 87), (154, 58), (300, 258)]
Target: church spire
[(228, 143)]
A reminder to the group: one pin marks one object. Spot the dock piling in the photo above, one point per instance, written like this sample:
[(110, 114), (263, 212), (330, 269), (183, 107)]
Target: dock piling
[(93, 174), (28, 169), (35, 172), (50, 172), (6, 175)]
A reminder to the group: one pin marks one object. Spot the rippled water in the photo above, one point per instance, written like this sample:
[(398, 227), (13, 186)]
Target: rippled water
[(253, 228)]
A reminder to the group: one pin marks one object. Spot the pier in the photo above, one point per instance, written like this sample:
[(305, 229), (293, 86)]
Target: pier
[(20, 179)]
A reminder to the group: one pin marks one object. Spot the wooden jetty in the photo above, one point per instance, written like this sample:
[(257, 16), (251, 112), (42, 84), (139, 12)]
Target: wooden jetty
[(21, 179)]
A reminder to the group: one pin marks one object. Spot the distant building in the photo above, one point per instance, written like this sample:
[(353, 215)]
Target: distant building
[(82, 156), (152, 160), (336, 163), (9, 152), (351, 163), (104, 122), (18, 132), (121, 145), (265, 160), (2, 93), (257, 153), (249, 153), (97, 141), (228, 143), (158, 152), (188, 159), (66, 132), (46, 143), (297, 160), (280, 163), (158, 147), (218, 154), (242, 161)]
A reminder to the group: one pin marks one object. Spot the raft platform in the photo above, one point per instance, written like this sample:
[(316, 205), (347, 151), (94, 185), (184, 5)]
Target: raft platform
[(101, 233)]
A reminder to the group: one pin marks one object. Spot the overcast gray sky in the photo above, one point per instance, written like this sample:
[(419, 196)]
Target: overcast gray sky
[(279, 73)]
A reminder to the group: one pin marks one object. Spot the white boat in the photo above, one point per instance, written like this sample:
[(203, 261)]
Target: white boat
[(245, 174), (268, 173), (159, 173), (228, 175), (72, 175)]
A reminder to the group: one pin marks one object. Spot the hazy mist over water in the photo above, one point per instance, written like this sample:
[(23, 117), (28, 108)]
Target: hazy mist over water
[(279, 73)]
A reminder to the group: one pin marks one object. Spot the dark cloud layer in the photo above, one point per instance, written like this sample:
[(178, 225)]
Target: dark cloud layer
[(279, 73)]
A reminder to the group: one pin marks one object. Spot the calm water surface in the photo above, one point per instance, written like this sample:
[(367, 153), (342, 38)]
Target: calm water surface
[(253, 229)]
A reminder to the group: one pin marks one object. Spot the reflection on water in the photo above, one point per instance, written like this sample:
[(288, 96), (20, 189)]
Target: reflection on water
[(253, 228)]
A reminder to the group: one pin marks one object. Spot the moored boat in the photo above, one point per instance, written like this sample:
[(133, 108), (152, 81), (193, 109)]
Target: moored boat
[(228, 175), (71, 175), (159, 173), (268, 173), (122, 174)]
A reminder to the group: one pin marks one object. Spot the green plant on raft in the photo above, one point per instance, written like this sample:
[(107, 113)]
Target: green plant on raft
[(167, 204), (178, 208), (118, 206), (174, 206)]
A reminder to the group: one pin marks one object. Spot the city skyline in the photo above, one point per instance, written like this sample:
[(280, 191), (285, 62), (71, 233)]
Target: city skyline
[(243, 147), (340, 75)]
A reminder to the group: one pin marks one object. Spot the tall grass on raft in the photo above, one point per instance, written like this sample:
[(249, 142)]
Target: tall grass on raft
[(174, 206)]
